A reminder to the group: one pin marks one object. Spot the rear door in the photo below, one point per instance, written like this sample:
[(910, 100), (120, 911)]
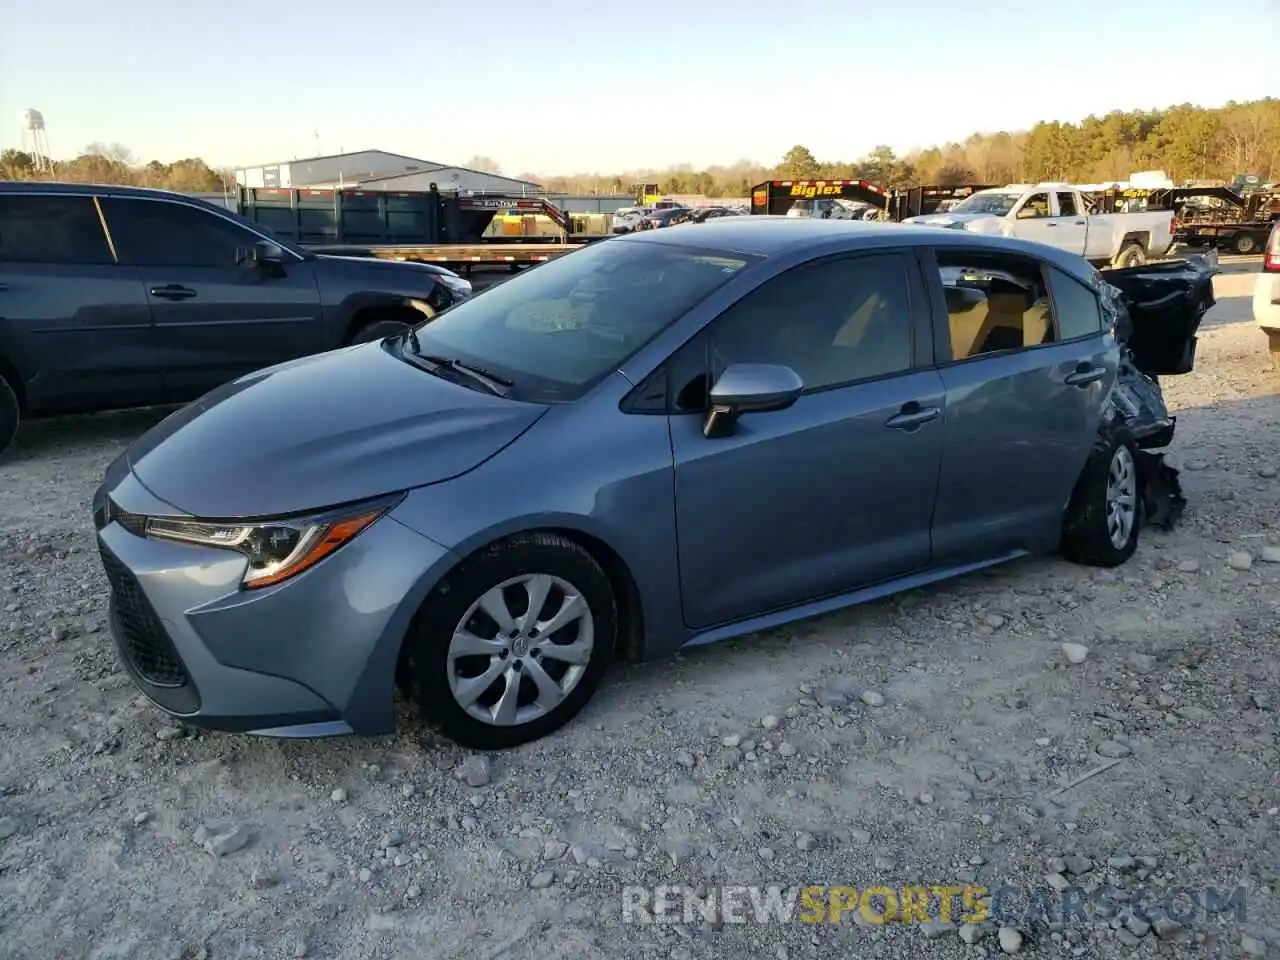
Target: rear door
[(1026, 366), (75, 326), (215, 319), (835, 492)]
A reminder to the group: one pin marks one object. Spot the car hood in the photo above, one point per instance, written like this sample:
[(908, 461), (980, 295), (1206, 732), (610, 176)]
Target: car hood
[(375, 264), (322, 431), (953, 220)]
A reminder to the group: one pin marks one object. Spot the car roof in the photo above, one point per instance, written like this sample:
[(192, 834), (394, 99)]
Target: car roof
[(94, 189), (767, 236)]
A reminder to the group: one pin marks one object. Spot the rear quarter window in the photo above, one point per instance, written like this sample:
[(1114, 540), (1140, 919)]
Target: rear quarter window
[(52, 229), (1075, 306)]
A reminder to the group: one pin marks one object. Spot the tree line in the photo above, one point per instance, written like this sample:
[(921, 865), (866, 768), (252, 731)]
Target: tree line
[(1189, 143)]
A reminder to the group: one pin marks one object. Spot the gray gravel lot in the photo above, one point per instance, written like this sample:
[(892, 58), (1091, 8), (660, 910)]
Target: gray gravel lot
[(922, 739)]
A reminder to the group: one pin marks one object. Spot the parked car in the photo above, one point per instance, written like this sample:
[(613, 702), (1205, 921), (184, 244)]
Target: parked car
[(1058, 215), (626, 219), (666, 217), (644, 445), (114, 297), (1266, 295)]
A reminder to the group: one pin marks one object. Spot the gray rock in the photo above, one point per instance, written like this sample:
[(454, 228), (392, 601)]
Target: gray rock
[(8, 827), (1252, 946), (732, 740), (1057, 881), (1141, 663), (936, 929), (1113, 749), (477, 770), (1078, 866), (168, 733), (1056, 865), (1240, 560), (860, 836), (769, 721), (994, 620), (1270, 554), (1137, 926), (1122, 864), (972, 933), (872, 699), (542, 880), (1188, 566), (805, 842), (262, 879), (1075, 652), (1127, 938), (339, 795), (392, 838), (1167, 929), (554, 849), (685, 759), (786, 750), (835, 699), (223, 843), (1010, 940)]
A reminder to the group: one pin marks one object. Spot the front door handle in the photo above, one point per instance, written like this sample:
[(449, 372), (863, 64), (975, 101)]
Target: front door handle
[(1086, 374), (1050, 224), (1079, 223), (912, 416), (173, 291)]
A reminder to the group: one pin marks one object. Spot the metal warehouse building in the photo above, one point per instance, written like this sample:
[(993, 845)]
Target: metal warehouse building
[(378, 170)]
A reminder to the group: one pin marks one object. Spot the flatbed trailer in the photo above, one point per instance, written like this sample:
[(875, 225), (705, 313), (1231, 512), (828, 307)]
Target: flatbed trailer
[(426, 226), (457, 256), (776, 197), (1235, 222), (930, 198)]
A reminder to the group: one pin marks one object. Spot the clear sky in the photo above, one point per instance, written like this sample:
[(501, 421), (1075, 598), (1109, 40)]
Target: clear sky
[(564, 86)]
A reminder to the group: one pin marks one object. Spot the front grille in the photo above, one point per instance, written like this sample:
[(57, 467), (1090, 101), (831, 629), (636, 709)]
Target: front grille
[(143, 640)]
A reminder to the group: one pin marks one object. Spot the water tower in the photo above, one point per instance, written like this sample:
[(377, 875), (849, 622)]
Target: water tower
[(35, 140)]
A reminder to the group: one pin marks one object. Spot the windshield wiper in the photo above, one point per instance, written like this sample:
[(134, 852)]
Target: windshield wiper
[(490, 381)]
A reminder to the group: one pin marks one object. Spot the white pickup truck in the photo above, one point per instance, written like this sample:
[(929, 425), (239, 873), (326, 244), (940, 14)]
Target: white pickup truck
[(1057, 215)]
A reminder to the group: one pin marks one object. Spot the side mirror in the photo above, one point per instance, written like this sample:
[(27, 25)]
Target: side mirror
[(749, 388), (1027, 213), (260, 254)]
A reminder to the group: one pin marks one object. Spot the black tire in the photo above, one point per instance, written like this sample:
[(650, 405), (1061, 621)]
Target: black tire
[(424, 670), (379, 330), (1086, 535), (1131, 255), (1245, 244), (10, 414)]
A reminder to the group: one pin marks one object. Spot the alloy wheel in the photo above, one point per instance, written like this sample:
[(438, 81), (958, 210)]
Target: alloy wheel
[(1122, 497), (520, 649)]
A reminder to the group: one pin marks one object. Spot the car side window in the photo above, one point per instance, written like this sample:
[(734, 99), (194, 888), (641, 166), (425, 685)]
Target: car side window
[(995, 303), (1066, 205), (833, 322), (52, 229), (1075, 306), (1036, 207), (159, 233)]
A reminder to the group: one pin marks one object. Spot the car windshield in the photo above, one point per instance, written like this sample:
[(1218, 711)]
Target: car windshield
[(564, 325), (997, 203)]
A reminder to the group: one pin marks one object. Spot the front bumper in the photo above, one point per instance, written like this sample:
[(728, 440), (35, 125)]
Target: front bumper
[(312, 656)]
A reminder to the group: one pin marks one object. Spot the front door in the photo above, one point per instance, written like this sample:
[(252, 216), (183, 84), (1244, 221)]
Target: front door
[(74, 324), (1026, 379), (833, 493), (215, 319)]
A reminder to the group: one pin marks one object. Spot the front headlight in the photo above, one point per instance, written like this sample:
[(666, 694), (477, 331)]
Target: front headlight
[(276, 549)]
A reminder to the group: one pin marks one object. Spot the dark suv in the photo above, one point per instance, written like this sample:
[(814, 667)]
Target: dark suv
[(114, 297)]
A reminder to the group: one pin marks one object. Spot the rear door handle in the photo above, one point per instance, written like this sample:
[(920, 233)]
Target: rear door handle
[(173, 291), (1086, 375), (912, 416)]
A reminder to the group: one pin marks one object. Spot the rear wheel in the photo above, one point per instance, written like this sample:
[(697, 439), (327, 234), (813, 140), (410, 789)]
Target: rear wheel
[(511, 646), (9, 414), (1245, 244), (1131, 255), (1105, 512)]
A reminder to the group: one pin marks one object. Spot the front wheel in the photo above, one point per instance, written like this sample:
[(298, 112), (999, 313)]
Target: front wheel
[(1101, 525), (512, 644)]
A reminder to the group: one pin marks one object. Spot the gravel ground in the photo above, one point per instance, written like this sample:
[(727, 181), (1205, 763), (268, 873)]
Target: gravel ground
[(923, 739)]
